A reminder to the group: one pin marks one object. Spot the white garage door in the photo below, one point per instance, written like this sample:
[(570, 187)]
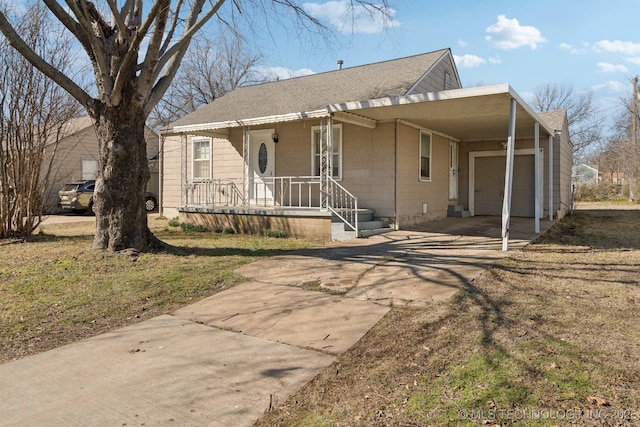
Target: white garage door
[(489, 186)]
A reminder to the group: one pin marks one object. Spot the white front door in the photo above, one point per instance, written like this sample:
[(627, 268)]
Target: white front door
[(262, 166), (453, 170)]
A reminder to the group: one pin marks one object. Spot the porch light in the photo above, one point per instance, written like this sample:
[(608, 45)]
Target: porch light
[(274, 137)]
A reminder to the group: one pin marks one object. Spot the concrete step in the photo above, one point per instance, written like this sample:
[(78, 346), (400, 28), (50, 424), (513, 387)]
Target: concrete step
[(374, 231), (363, 215), (369, 225), (457, 211)]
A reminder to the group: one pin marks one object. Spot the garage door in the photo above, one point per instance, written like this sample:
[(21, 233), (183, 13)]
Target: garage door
[(489, 186)]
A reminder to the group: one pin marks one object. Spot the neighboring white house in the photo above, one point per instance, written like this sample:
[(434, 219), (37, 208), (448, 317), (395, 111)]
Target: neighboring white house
[(400, 140), (584, 175)]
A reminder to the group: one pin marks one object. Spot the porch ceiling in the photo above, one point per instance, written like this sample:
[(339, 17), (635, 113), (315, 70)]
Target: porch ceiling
[(474, 114)]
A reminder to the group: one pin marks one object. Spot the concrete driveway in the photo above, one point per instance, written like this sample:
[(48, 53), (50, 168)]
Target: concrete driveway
[(224, 360)]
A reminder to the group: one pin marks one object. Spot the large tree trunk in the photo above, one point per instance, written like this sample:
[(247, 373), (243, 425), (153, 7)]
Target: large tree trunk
[(121, 218)]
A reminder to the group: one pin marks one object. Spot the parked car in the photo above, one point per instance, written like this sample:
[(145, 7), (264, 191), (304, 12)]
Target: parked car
[(77, 196)]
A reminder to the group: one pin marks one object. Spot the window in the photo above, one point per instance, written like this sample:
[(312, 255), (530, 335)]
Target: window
[(337, 151), (425, 156), (202, 159), (89, 169)]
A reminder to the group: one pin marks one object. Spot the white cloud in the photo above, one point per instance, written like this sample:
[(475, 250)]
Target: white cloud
[(348, 18), (611, 86), (468, 61), (605, 67), (495, 59), (618, 46), (634, 60), (570, 48), (462, 43), (282, 73), (509, 34)]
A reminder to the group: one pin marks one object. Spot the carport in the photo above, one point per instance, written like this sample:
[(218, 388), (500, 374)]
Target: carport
[(475, 115)]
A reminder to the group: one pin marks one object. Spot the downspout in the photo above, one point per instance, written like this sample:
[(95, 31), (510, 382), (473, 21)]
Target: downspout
[(551, 178), (508, 177), (536, 157)]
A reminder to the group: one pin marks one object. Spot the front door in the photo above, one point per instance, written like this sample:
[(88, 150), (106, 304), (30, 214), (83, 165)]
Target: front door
[(453, 170), (262, 166)]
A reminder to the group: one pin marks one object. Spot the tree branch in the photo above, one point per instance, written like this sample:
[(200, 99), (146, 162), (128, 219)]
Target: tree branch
[(47, 69)]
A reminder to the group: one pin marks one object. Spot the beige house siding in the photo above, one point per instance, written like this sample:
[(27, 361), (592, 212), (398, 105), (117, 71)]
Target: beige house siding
[(563, 161), (421, 201), (368, 172), (171, 176), (434, 80)]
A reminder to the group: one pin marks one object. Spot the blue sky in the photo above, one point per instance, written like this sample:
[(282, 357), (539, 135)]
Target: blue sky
[(589, 44)]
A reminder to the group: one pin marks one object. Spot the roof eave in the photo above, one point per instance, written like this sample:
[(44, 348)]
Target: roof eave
[(255, 121)]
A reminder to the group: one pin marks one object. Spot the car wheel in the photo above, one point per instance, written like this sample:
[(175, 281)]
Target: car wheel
[(150, 204)]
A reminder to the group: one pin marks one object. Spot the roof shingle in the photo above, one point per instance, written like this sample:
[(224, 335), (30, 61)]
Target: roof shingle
[(313, 92)]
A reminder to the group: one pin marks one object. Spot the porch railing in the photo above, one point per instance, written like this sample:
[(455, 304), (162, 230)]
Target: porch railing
[(274, 192), (343, 204)]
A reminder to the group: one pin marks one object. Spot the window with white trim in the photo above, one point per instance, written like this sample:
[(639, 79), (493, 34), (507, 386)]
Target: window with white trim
[(202, 159), (337, 151), (425, 156)]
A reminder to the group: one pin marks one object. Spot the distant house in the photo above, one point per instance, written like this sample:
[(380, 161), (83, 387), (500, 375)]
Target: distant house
[(584, 175), (615, 178), (76, 158), (399, 141)]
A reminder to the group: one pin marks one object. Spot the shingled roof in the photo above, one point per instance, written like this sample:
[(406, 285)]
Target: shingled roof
[(554, 118), (313, 92)]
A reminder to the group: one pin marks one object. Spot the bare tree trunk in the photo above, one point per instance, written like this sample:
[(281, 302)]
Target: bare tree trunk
[(121, 218)]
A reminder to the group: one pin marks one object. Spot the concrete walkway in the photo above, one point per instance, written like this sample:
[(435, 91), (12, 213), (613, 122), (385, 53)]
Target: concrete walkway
[(224, 360)]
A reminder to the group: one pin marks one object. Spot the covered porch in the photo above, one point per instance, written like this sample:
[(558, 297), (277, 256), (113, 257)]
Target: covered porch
[(258, 198)]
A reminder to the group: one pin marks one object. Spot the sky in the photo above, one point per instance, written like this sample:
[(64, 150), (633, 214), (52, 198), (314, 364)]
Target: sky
[(591, 45)]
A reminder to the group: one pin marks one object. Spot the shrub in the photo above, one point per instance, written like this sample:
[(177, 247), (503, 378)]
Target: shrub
[(185, 226), (229, 230), (275, 233)]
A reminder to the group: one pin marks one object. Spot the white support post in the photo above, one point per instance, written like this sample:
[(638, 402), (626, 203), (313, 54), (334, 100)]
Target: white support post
[(536, 157), (551, 178), (326, 163), (508, 177), (245, 166)]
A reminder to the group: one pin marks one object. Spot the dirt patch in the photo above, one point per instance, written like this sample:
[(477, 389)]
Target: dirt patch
[(548, 336)]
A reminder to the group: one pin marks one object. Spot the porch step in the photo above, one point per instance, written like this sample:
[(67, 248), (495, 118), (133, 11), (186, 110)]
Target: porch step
[(457, 211), (367, 226)]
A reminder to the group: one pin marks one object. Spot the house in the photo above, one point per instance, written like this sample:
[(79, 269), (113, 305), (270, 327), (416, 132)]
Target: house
[(584, 175), (400, 141), (76, 158)]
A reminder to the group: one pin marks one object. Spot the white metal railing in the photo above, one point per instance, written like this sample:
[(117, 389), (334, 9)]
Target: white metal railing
[(275, 192), (343, 204)]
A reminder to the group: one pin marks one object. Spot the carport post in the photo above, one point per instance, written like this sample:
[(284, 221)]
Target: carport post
[(536, 157), (508, 177)]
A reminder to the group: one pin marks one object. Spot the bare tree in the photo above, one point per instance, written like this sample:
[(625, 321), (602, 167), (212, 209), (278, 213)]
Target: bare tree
[(210, 69), (135, 56), (33, 112), (585, 121)]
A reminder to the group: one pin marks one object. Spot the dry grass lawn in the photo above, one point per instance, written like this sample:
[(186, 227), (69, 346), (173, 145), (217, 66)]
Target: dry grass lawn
[(548, 336)]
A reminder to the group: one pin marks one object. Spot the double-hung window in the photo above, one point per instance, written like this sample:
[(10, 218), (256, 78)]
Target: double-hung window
[(425, 156), (202, 159), (336, 171)]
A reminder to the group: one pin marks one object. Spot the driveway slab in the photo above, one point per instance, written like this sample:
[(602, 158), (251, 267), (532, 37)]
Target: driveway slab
[(163, 372), (289, 315)]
